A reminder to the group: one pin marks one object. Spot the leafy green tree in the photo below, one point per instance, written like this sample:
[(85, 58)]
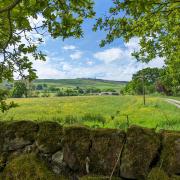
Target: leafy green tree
[(71, 92), (93, 90), (53, 89), (169, 82), (80, 90), (39, 87), (58, 18), (20, 89), (3, 105), (23, 23), (173, 75), (60, 93), (154, 22), (144, 78), (109, 90)]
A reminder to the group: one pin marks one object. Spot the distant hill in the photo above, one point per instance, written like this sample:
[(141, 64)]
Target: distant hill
[(83, 83)]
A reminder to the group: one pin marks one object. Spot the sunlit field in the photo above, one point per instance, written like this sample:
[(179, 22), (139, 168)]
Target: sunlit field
[(98, 111)]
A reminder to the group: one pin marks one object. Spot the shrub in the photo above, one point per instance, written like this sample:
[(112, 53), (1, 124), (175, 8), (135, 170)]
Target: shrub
[(60, 93), (45, 94)]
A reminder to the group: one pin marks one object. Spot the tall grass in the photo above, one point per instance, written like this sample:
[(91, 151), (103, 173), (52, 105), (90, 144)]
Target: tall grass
[(98, 111)]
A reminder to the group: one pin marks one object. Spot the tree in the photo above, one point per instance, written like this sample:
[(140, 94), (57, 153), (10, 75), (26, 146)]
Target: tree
[(173, 75), (145, 78), (3, 105), (169, 81), (39, 87), (154, 22), (80, 90), (60, 93), (23, 24), (19, 22), (20, 89)]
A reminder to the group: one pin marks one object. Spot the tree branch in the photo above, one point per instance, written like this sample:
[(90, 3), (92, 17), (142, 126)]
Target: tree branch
[(10, 7), (10, 30)]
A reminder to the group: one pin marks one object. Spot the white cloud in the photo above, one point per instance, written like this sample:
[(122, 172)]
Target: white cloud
[(119, 54), (133, 44), (69, 47), (66, 66), (109, 55), (36, 21), (64, 69), (76, 55), (49, 69), (89, 62), (117, 64)]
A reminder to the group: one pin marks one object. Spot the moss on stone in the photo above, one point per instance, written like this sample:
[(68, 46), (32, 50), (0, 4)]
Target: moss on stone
[(170, 155), (25, 129), (157, 174), (174, 177), (2, 132), (98, 178), (76, 147), (140, 150), (15, 135), (3, 158), (105, 149), (26, 167), (49, 138)]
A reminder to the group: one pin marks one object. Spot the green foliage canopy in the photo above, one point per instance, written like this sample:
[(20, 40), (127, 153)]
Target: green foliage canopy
[(154, 80), (21, 32), (146, 77), (155, 22), (23, 23), (3, 105), (20, 89)]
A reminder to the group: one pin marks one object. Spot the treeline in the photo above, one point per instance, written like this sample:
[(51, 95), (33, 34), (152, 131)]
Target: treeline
[(22, 89), (151, 80), (154, 80)]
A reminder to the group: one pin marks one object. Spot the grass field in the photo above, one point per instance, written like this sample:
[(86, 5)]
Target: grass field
[(98, 111), (82, 83)]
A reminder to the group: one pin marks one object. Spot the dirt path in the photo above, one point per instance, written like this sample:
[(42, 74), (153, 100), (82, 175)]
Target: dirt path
[(174, 102)]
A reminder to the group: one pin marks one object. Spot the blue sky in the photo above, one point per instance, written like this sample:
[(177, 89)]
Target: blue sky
[(83, 58)]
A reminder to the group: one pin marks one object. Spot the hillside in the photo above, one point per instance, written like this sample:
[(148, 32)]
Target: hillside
[(83, 83)]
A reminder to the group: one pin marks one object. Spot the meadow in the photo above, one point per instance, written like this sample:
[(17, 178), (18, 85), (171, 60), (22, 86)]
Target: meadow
[(82, 83), (98, 111)]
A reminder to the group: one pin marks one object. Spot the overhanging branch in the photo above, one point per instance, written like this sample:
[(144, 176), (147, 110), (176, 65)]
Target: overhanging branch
[(10, 7)]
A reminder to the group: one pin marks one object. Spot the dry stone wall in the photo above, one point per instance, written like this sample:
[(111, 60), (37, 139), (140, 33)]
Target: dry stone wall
[(46, 150)]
